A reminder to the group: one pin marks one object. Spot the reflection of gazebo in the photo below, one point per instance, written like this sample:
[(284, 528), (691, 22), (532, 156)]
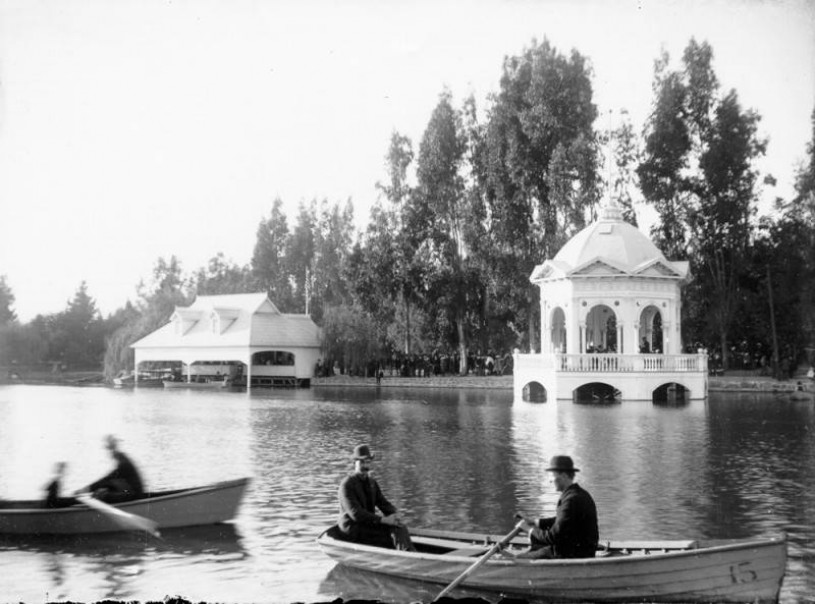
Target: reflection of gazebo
[(610, 314)]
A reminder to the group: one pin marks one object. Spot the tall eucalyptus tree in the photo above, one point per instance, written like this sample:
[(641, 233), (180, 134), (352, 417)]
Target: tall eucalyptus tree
[(268, 262), (436, 221), (539, 164), (699, 172)]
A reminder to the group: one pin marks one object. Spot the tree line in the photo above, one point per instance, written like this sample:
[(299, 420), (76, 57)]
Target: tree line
[(463, 217)]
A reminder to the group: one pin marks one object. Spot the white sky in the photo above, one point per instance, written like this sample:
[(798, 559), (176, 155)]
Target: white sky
[(138, 129)]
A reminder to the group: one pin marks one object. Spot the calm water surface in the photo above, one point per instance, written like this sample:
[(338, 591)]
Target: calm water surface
[(735, 466)]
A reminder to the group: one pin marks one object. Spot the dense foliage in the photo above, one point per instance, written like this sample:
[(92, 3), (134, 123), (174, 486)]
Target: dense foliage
[(441, 270)]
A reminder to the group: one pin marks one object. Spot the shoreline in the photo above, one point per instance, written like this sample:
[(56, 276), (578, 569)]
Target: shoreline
[(726, 383), (735, 382)]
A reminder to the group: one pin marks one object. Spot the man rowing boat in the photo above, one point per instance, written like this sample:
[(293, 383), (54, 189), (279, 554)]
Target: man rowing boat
[(573, 532), (123, 483)]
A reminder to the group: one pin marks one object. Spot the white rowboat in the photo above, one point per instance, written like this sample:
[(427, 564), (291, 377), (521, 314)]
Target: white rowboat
[(745, 570), (168, 509)]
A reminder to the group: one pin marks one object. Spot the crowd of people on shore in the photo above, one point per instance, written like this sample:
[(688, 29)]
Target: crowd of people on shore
[(420, 365), (755, 358)]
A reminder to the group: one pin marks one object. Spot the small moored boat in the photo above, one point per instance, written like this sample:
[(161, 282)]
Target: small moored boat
[(208, 385), (745, 570), (196, 506)]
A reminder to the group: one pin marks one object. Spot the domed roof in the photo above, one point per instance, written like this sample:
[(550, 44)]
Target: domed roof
[(610, 239)]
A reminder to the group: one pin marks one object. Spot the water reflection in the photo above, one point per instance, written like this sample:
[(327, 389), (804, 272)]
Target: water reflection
[(115, 561), (450, 459), (351, 583)]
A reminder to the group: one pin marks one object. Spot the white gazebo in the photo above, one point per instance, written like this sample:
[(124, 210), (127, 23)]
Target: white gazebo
[(610, 320), (241, 336)]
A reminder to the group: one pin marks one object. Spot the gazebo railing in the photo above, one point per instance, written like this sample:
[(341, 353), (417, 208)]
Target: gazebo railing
[(614, 363)]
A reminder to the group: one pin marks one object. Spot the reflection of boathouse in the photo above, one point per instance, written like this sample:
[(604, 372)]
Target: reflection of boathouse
[(610, 321), (243, 337)]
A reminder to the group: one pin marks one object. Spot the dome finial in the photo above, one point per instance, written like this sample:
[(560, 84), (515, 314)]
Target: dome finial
[(611, 210)]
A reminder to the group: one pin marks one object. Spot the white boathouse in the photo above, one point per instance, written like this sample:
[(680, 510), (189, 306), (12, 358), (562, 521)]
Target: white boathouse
[(240, 336), (610, 322)]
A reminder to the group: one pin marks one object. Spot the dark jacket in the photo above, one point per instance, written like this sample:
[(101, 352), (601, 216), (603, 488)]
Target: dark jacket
[(124, 478), (359, 497), (572, 533)]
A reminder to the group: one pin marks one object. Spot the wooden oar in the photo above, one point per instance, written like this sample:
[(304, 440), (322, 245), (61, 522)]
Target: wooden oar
[(490, 552), (126, 520)]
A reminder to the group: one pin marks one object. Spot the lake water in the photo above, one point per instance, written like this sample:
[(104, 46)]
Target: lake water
[(734, 466)]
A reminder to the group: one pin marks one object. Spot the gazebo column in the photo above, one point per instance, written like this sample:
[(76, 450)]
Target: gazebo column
[(667, 341), (620, 332), (546, 332)]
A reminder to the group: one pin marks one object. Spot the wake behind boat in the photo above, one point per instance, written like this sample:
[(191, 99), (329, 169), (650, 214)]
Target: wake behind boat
[(746, 570), (196, 506)]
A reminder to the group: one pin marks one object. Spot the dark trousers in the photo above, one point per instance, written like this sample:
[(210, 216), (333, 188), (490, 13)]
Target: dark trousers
[(115, 490), (382, 535)]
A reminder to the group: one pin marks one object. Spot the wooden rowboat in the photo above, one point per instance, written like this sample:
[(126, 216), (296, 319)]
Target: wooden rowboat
[(212, 385), (169, 509), (746, 570)]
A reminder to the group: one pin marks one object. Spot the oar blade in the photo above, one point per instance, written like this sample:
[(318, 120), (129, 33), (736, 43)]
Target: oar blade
[(125, 520)]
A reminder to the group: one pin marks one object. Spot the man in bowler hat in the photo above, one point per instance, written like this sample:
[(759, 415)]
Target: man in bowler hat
[(124, 483), (572, 532), (359, 498)]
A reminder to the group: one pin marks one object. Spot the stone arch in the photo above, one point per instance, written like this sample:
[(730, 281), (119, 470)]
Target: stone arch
[(557, 333), (534, 392), (650, 329), (596, 393), (601, 329), (671, 394)]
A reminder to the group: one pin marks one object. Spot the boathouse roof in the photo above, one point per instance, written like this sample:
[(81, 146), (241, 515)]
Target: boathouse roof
[(243, 320)]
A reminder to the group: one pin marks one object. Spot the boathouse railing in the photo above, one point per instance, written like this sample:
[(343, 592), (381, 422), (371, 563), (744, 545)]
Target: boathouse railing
[(614, 363)]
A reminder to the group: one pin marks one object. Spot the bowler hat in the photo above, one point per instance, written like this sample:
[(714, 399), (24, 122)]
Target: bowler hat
[(561, 463), (362, 452)]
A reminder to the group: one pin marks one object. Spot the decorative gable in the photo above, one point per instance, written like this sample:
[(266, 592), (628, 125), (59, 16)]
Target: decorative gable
[(542, 271), (657, 268), (184, 319), (598, 268), (268, 307), (222, 319)]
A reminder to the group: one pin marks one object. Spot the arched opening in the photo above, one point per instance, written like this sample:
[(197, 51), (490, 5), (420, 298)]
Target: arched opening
[(601, 330), (650, 335), (273, 357), (534, 392), (275, 368), (671, 395), (597, 393), (214, 371), (558, 331)]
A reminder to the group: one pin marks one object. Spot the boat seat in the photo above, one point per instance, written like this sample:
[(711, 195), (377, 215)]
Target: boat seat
[(648, 545), (467, 551), (453, 547)]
